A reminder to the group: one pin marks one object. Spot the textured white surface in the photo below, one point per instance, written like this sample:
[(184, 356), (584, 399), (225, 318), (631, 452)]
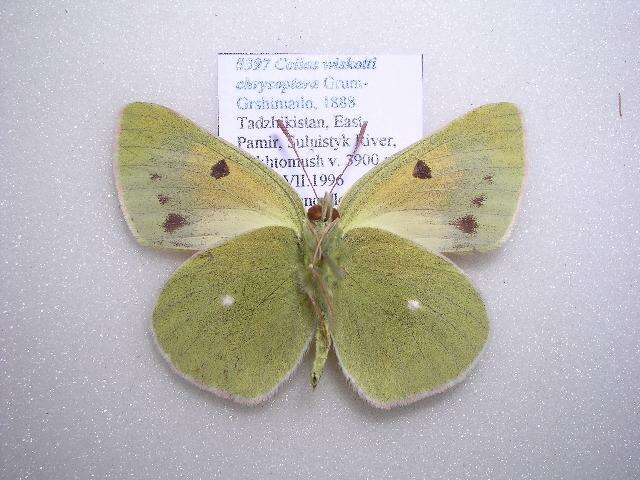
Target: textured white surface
[(83, 392)]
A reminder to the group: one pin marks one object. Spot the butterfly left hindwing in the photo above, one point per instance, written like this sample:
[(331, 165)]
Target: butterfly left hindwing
[(232, 319)]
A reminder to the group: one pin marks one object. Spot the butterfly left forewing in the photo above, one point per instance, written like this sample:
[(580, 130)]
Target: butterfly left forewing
[(408, 323), (183, 188)]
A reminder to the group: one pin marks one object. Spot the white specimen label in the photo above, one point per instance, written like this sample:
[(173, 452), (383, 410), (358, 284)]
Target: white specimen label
[(323, 100)]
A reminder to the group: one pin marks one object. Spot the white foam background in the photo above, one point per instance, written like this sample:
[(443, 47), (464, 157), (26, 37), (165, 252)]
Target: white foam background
[(83, 392)]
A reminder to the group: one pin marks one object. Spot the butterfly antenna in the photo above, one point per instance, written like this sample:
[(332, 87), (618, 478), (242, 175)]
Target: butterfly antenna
[(359, 139), (292, 143)]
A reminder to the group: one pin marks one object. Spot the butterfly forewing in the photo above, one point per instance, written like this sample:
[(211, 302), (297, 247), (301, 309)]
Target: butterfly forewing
[(454, 191), (182, 188)]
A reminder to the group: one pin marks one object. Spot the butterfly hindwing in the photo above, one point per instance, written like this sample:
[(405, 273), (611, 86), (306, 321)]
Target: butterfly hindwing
[(232, 319), (454, 191), (183, 188), (408, 322)]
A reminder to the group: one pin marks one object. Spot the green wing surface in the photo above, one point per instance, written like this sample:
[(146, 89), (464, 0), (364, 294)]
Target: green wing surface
[(232, 319), (408, 323)]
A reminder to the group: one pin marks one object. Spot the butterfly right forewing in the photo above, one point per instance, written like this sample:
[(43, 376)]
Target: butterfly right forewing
[(454, 191)]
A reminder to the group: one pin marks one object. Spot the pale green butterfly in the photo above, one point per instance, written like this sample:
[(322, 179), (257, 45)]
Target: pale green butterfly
[(268, 278)]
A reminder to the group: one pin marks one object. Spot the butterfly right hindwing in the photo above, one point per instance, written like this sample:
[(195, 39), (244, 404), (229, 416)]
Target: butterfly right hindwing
[(408, 323)]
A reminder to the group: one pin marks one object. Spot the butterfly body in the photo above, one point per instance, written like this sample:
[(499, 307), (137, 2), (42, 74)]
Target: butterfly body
[(321, 235), (368, 281)]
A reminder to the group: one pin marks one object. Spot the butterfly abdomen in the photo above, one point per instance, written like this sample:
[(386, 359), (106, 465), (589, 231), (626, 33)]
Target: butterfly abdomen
[(321, 272)]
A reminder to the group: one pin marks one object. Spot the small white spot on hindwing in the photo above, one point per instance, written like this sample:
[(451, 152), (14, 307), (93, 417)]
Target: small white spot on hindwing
[(413, 305), (227, 301)]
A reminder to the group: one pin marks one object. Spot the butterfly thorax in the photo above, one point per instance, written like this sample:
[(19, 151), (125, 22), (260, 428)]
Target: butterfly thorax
[(321, 234)]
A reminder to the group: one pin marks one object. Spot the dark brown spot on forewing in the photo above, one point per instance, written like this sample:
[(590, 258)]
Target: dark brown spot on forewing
[(479, 201), (173, 222), (162, 199), (155, 177), (220, 169), (421, 170), (466, 224), (488, 178)]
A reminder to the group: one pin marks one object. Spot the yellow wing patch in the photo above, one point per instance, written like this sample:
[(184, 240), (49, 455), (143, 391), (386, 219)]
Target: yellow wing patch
[(183, 188), (454, 191)]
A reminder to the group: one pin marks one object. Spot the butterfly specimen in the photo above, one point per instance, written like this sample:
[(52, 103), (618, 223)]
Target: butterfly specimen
[(367, 279)]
